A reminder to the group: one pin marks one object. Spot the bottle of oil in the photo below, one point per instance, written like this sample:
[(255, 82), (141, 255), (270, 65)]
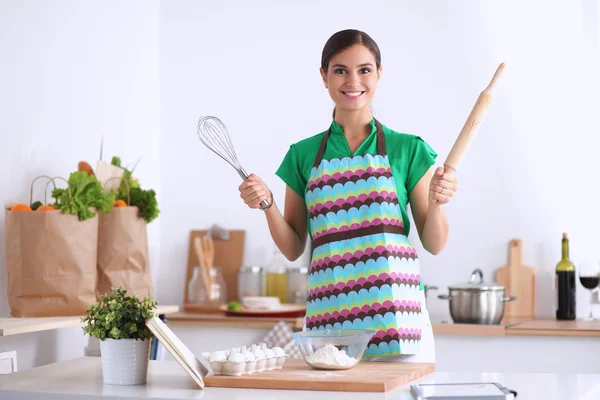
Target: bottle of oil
[(277, 277), (564, 283)]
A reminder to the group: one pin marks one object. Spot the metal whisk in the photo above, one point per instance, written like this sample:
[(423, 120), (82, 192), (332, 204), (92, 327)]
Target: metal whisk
[(213, 133)]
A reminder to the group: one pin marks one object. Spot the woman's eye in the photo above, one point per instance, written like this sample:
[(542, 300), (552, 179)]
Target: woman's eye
[(339, 71), (365, 70)]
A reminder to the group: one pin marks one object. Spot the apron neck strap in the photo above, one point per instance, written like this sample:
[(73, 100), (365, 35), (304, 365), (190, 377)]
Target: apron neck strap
[(381, 149)]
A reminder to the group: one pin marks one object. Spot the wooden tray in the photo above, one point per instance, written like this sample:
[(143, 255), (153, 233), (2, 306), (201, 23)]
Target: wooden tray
[(200, 309), (286, 311), (297, 375)]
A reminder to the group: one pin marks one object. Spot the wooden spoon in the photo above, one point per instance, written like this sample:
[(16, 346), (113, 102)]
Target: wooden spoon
[(203, 267)]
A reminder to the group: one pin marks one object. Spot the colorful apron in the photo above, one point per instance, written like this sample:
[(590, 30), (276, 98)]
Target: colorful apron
[(364, 273)]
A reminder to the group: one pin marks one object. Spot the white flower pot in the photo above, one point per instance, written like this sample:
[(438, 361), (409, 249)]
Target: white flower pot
[(124, 361)]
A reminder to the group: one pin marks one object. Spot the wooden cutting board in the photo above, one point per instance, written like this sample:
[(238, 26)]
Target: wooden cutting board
[(297, 375), (519, 281)]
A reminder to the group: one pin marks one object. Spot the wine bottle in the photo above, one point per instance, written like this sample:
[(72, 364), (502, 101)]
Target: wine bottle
[(564, 282)]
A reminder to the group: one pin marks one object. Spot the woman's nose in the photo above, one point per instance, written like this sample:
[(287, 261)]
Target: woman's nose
[(352, 80)]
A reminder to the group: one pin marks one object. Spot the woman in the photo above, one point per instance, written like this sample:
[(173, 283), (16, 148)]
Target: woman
[(348, 187)]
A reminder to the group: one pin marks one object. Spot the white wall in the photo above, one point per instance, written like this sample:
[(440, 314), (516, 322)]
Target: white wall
[(70, 73), (529, 174)]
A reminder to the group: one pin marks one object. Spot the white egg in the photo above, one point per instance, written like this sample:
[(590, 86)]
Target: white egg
[(218, 356), (258, 353), (278, 352), (269, 353), (249, 356), (236, 358)]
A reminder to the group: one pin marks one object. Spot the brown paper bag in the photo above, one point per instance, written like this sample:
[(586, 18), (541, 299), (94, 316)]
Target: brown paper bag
[(123, 253), (51, 263)]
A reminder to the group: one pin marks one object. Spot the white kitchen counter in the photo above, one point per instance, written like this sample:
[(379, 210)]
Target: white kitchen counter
[(81, 378)]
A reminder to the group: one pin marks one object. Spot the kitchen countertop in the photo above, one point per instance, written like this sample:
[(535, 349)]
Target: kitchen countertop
[(510, 326), (222, 320), (16, 325), (81, 378)]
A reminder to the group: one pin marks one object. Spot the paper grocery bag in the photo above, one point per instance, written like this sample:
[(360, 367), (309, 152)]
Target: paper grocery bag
[(51, 263), (123, 253)]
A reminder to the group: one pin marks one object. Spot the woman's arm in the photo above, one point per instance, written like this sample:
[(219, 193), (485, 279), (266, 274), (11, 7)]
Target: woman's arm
[(289, 231), (427, 201)]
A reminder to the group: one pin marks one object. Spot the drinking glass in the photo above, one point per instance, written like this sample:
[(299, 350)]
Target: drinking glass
[(589, 277)]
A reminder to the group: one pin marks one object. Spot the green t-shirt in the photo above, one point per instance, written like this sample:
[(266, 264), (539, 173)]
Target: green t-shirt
[(409, 156)]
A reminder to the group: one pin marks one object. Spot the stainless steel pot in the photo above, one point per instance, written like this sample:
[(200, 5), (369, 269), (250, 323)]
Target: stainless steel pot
[(477, 302)]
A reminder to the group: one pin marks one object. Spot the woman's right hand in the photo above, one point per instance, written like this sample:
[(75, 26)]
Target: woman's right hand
[(253, 190)]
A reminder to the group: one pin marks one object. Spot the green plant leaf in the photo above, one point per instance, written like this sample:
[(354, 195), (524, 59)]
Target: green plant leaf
[(119, 316)]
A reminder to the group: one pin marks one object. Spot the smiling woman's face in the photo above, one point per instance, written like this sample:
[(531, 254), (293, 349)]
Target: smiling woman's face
[(352, 78)]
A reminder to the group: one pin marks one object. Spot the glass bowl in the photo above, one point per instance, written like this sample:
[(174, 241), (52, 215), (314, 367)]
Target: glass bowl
[(333, 348)]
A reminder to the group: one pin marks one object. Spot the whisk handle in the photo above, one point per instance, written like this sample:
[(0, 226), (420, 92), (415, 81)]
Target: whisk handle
[(242, 172)]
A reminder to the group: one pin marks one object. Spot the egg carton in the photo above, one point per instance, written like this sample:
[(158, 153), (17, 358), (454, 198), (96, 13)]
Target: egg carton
[(244, 361)]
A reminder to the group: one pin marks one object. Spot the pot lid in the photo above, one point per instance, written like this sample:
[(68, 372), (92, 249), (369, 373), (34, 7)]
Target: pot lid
[(476, 283)]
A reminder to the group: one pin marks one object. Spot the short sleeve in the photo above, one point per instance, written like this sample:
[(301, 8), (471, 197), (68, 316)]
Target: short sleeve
[(421, 159), (290, 172)]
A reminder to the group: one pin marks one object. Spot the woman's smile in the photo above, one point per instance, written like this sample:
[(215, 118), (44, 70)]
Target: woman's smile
[(353, 95)]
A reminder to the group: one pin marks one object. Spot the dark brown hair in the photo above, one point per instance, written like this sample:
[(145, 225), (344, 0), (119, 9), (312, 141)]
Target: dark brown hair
[(342, 40)]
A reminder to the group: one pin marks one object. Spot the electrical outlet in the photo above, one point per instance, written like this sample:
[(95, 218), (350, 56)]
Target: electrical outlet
[(8, 362)]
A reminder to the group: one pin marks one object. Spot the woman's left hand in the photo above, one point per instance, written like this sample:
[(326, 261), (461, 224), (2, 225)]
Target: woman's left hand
[(442, 187)]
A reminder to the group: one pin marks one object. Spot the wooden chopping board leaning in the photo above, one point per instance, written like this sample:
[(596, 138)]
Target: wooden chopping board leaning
[(519, 281)]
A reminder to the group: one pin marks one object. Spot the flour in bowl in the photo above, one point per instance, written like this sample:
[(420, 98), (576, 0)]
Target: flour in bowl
[(329, 355)]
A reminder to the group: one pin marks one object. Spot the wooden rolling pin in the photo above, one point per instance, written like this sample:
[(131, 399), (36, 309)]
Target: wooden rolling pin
[(471, 127)]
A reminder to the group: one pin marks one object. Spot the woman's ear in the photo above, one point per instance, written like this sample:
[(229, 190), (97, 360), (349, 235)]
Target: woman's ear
[(323, 76), (379, 73)]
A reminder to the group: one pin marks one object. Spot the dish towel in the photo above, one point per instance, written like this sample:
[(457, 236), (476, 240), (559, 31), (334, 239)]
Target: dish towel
[(281, 336)]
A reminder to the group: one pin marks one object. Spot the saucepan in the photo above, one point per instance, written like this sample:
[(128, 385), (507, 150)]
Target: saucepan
[(477, 302)]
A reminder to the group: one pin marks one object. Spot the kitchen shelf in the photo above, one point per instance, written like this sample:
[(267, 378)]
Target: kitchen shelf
[(444, 327), (224, 321), (513, 326), (553, 327), (15, 326)]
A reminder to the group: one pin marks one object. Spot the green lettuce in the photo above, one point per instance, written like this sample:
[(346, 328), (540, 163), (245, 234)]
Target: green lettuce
[(85, 192), (144, 200)]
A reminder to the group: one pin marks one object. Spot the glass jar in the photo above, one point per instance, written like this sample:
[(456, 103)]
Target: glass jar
[(208, 293), (277, 277), (197, 288), (251, 281), (297, 285), (218, 294)]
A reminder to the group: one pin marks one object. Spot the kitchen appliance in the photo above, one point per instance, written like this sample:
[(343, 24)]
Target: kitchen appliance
[(296, 375), (251, 281), (213, 133), (519, 281), (477, 302)]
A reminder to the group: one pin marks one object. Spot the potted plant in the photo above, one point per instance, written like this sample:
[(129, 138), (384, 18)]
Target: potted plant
[(119, 321)]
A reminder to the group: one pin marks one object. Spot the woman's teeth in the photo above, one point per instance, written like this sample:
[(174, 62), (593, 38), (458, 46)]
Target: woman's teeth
[(353, 94)]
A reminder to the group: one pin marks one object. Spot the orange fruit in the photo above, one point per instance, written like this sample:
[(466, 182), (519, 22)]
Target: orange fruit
[(119, 203), (20, 207)]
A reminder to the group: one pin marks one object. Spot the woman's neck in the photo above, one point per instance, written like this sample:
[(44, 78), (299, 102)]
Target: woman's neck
[(356, 123)]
